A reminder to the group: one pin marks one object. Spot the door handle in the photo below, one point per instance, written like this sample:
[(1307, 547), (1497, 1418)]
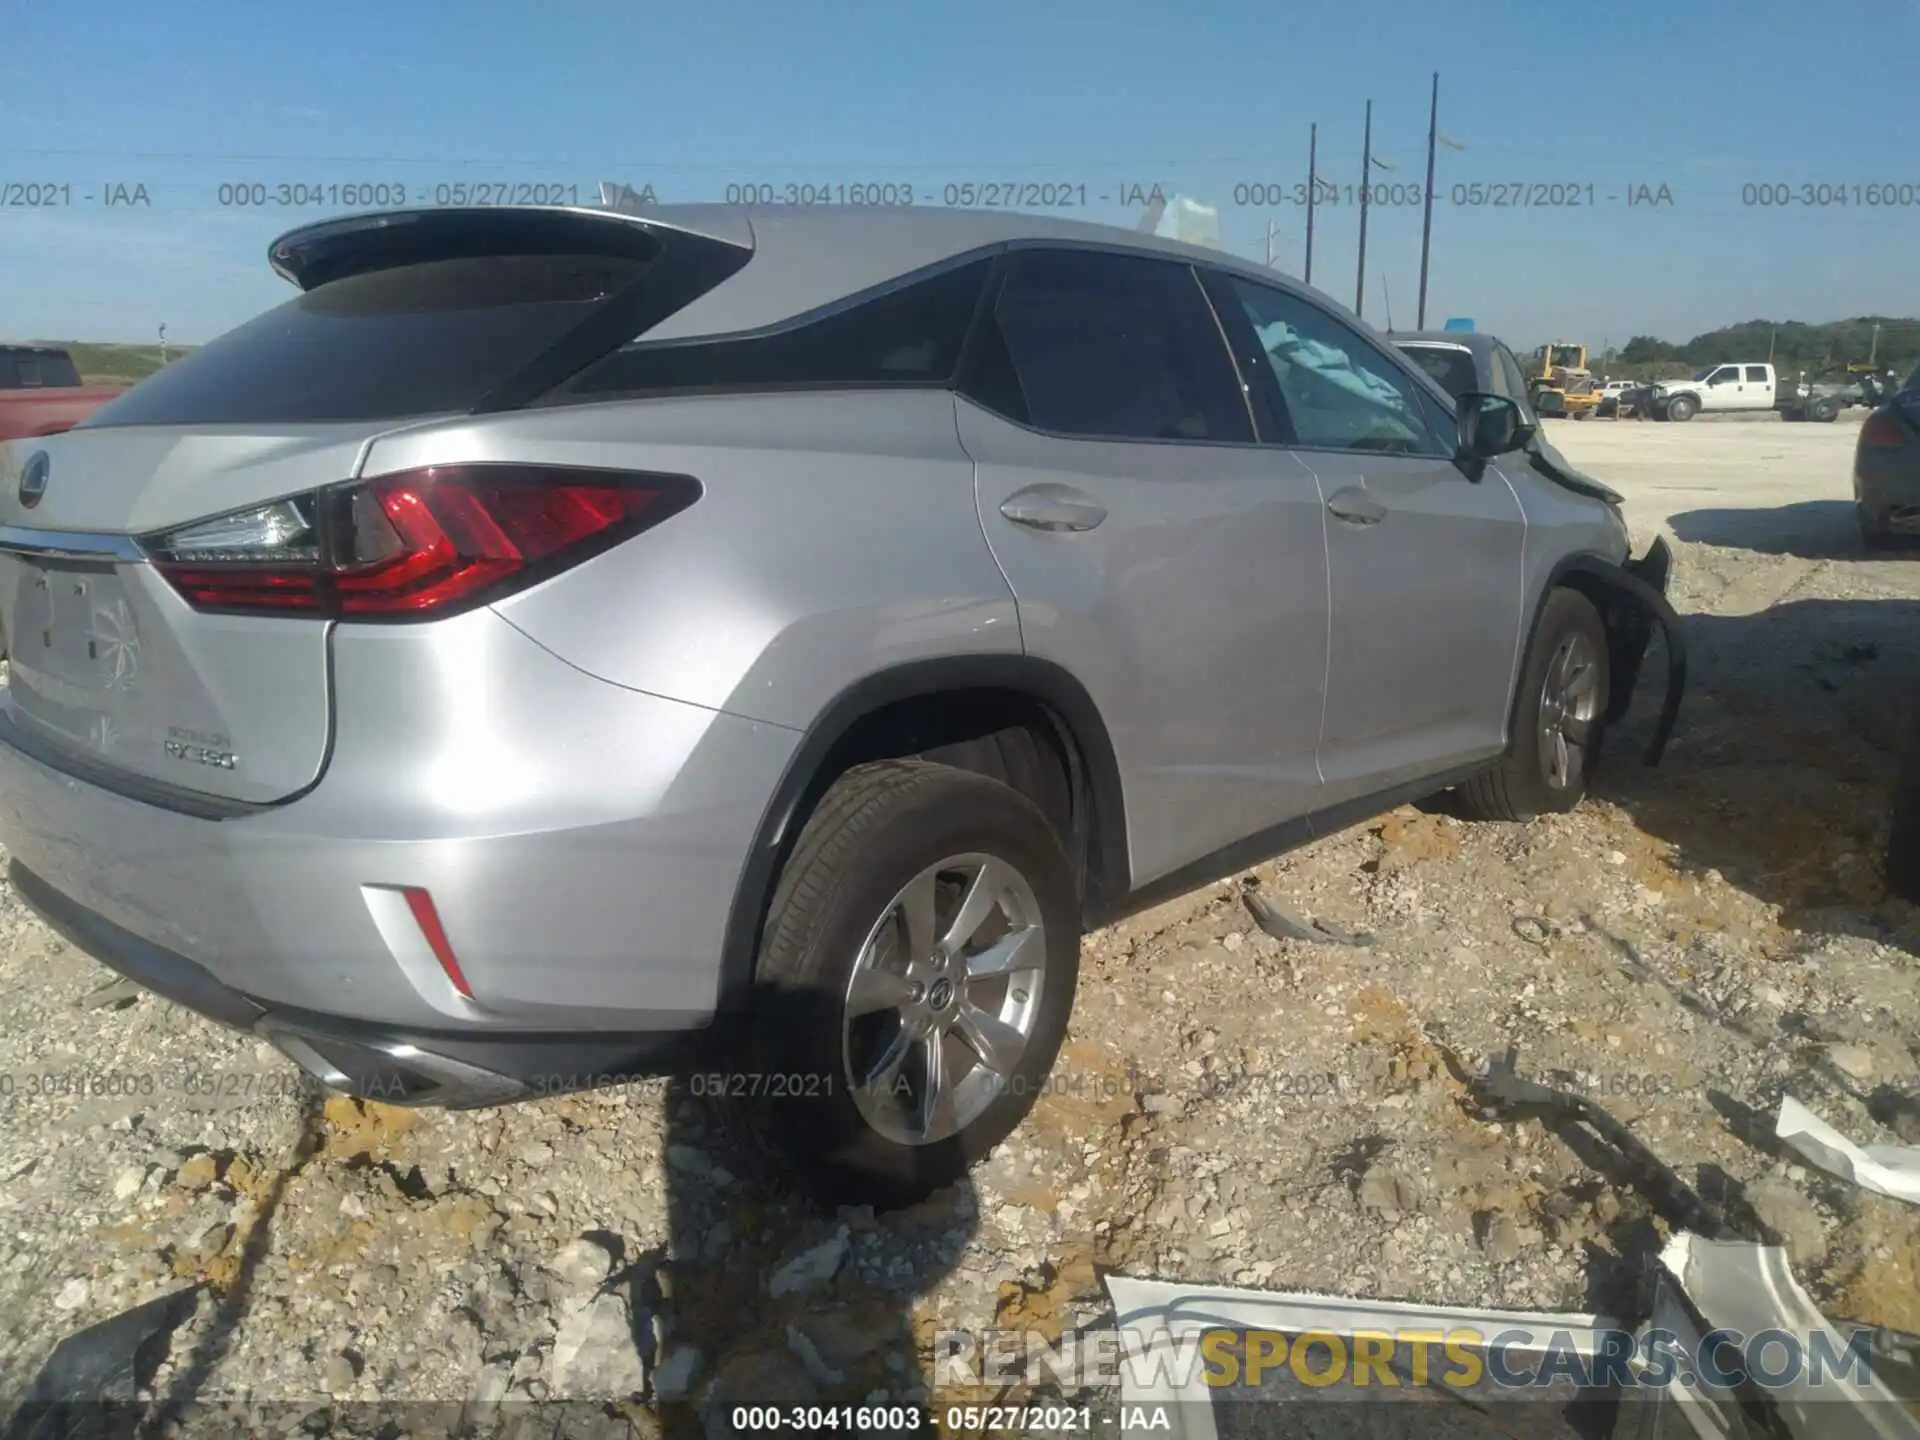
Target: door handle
[(1053, 507), (1356, 506)]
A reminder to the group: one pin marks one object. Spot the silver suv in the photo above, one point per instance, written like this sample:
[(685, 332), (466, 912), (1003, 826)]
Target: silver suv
[(556, 632)]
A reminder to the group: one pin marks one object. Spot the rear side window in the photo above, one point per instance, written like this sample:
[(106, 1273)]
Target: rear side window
[(1454, 369), (420, 339), (1757, 373), (1112, 347), (911, 334)]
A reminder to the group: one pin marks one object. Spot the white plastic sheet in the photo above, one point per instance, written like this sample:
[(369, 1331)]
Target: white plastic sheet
[(1891, 1170)]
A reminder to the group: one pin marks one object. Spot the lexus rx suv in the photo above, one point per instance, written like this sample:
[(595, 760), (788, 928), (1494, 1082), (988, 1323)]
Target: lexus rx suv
[(556, 643)]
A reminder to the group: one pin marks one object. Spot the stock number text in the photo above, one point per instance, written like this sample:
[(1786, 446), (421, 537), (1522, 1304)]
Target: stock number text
[(1781, 196)]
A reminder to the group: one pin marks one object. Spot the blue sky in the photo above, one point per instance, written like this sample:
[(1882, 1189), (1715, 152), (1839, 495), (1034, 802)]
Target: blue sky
[(1201, 98)]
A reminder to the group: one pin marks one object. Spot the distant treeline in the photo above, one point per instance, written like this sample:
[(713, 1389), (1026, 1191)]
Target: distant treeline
[(1792, 345)]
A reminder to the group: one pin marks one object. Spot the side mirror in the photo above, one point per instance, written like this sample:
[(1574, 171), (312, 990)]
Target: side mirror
[(1490, 426)]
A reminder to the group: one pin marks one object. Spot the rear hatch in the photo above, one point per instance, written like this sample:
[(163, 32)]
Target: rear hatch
[(153, 649)]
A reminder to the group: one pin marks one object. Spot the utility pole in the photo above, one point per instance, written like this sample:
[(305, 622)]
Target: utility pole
[(1388, 296), (1273, 233), (1366, 184), (163, 346), (1313, 192), (1874, 353), (1426, 222)]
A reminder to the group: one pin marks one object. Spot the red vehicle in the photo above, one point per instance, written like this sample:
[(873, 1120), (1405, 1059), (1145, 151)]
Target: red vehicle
[(41, 393)]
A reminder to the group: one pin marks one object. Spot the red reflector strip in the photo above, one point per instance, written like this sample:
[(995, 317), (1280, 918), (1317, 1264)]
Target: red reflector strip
[(428, 919), (237, 588)]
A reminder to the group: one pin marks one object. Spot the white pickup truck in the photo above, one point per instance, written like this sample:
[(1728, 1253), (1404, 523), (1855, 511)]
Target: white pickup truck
[(1753, 387), (1717, 388)]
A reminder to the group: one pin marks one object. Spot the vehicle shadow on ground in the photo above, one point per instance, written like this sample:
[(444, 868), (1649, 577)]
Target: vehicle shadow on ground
[(1784, 768), (785, 1299), (1810, 529)]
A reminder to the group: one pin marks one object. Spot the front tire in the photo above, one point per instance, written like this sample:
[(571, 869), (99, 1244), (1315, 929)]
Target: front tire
[(1563, 692), (1825, 411), (918, 973), (1682, 407)]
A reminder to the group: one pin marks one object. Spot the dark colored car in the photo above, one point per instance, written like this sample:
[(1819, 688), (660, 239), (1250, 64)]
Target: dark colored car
[(1467, 362), (1886, 469)]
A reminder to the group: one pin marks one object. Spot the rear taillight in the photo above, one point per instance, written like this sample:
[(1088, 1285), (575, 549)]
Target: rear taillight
[(1881, 429), (417, 544)]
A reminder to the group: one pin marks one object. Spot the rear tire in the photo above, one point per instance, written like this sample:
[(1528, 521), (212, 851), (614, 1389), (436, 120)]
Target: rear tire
[(1563, 697), (1682, 407), (1825, 411), (839, 938)]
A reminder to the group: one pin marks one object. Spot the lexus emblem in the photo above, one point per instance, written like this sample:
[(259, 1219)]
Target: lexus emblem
[(33, 478)]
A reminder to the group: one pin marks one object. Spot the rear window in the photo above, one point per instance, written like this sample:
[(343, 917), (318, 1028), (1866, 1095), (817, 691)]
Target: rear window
[(909, 334), (1454, 369), (421, 339), (30, 370)]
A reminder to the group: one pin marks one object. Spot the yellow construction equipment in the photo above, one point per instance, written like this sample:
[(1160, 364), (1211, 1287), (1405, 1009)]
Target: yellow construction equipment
[(1559, 382)]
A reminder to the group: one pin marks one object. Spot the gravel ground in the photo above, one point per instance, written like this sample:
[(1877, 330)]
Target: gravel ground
[(1229, 1108)]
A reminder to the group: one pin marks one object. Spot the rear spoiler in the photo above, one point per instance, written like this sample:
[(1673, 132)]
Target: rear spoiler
[(330, 250)]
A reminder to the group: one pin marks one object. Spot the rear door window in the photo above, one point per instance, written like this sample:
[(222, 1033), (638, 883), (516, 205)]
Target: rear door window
[(1107, 346), (420, 339), (1757, 373), (1513, 382), (911, 334), (1454, 369)]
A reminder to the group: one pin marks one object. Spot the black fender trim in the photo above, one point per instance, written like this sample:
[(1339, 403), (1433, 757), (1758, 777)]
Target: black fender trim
[(1099, 851), (1637, 589)]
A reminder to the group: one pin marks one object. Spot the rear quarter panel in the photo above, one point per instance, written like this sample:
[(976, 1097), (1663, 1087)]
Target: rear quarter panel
[(837, 536)]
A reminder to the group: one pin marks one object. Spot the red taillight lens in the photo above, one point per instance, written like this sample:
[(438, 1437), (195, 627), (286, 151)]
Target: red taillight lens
[(1881, 429), (415, 544)]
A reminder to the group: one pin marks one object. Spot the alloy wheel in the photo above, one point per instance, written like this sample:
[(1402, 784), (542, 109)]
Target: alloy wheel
[(1569, 703), (943, 998)]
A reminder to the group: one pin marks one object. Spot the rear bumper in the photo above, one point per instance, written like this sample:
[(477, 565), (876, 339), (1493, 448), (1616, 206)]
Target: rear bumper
[(581, 843), (394, 1064)]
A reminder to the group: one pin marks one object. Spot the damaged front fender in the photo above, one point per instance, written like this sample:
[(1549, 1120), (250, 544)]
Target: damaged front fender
[(1632, 600)]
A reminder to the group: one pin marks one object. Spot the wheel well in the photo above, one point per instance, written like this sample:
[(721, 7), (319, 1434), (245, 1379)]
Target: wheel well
[(1022, 721), (1003, 734)]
